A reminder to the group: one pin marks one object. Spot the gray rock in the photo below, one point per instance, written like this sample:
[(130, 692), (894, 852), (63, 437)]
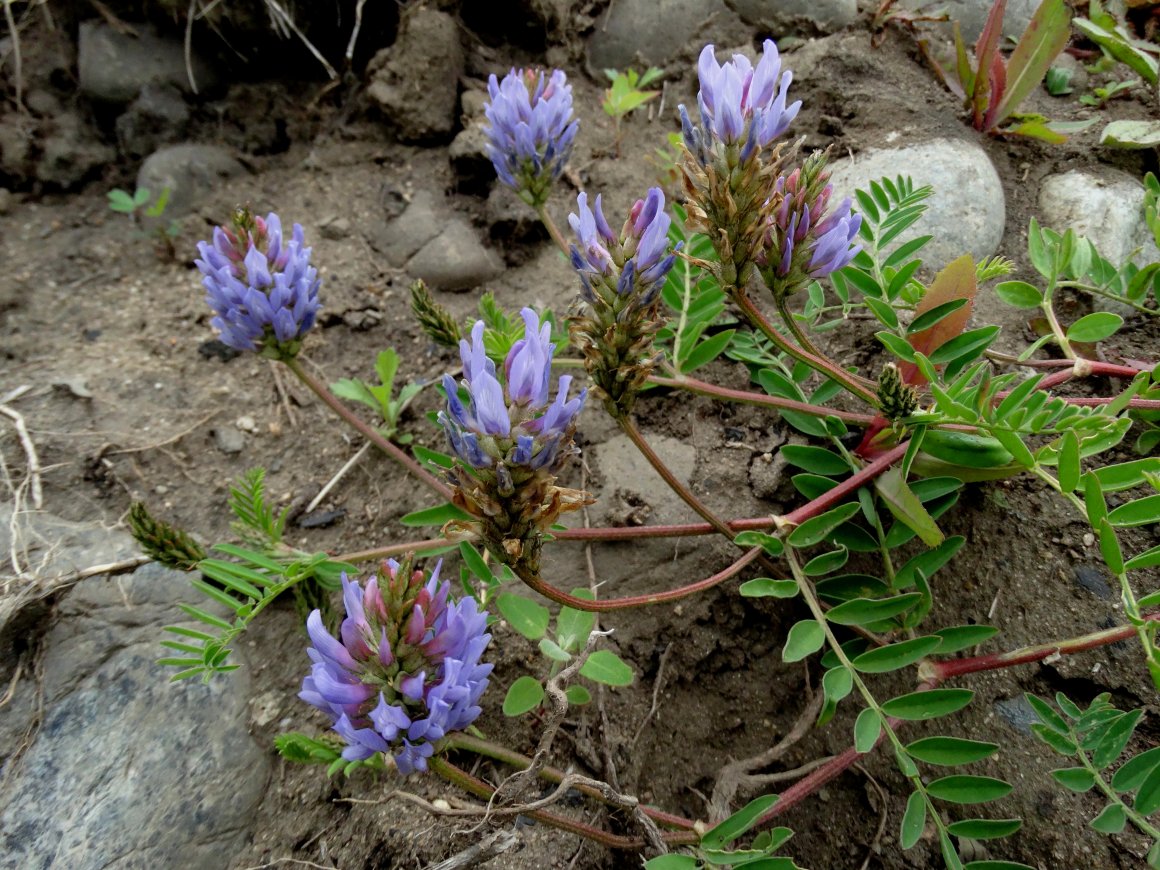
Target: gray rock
[(148, 773), (1017, 712), (513, 222), (69, 153), (469, 161), (113, 67), (336, 229), (1106, 207), (648, 32), (419, 223), (229, 439), (1092, 579), (416, 81), (633, 492), (159, 116), (189, 170), (972, 15), (455, 259), (966, 213), (777, 16), (6, 200)]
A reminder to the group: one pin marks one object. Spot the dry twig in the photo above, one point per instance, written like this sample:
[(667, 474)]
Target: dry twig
[(32, 459)]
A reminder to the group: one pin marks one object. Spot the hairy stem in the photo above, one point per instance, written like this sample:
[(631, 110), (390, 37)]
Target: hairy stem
[(549, 591), (703, 388), (553, 230), (378, 553), (858, 386), (370, 432)]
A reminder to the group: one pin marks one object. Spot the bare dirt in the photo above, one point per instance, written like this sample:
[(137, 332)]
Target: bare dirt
[(127, 392)]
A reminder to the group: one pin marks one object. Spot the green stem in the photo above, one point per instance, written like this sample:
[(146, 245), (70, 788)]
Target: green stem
[(1049, 313), (481, 789), (852, 383), (1100, 291), (377, 553), (703, 388), (369, 432), (1138, 820), (782, 303), (553, 230)]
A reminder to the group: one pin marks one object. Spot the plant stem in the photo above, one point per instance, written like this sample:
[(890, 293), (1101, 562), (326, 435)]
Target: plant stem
[(553, 230), (940, 672), (852, 383), (607, 604), (481, 789), (1136, 818), (703, 388), (370, 432), (486, 748), (1099, 291), (781, 301), (629, 427), (395, 550), (861, 477), (1053, 322)]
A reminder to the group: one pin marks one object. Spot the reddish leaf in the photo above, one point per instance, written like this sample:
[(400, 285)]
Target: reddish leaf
[(986, 50), (998, 79), (956, 281), (1039, 45)]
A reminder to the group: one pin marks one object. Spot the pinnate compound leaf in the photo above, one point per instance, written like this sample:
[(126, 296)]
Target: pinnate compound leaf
[(931, 704), (966, 789), (950, 751), (1148, 794)]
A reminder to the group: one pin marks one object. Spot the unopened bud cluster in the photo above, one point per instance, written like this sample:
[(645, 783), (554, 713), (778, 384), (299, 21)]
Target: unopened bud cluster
[(621, 278), (163, 542)]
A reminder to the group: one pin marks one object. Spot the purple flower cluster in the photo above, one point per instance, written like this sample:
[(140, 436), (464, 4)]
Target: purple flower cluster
[(799, 226), (262, 288), (405, 670), (530, 130), (739, 103), (516, 425), (637, 262)]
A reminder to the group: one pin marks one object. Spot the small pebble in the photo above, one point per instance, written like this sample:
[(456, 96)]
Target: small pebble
[(246, 424)]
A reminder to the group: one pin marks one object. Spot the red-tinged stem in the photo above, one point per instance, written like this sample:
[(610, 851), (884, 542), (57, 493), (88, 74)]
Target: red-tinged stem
[(1140, 404), (813, 781), (394, 550), (510, 757), (858, 386), (604, 605), (828, 499), (702, 388), (676, 530), (481, 789), (1111, 370), (940, 672), (629, 427), (369, 432)]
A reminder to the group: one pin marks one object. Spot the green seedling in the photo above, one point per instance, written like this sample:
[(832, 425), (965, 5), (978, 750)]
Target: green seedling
[(136, 205), (381, 397), (626, 94), (992, 88), (1100, 96)]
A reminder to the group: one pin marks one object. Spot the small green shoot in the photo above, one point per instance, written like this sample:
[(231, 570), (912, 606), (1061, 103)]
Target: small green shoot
[(626, 94)]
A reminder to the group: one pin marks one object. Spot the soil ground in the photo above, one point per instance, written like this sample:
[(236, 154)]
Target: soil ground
[(126, 393)]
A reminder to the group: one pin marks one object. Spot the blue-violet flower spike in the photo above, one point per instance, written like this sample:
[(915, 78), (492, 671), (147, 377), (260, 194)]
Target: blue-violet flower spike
[(261, 287), (530, 130), (406, 671)]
